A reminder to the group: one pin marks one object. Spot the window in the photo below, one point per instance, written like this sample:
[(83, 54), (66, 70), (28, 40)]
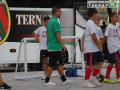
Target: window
[(80, 13)]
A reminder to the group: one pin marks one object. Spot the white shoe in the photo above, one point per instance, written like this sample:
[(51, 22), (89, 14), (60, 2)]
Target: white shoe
[(43, 77), (87, 84), (49, 83), (94, 81), (67, 81)]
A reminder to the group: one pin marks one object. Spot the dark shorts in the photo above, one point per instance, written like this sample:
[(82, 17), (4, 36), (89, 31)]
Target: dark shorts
[(114, 57), (44, 54), (55, 59), (94, 57)]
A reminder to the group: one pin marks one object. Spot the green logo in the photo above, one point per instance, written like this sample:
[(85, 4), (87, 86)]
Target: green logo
[(114, 4)]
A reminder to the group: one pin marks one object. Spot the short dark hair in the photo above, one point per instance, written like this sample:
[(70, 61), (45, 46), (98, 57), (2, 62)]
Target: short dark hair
[(91, 11), (46, 18), (54, 9), (98, 19), (112, 14)]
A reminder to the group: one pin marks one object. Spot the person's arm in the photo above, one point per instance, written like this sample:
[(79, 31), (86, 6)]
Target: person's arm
[(101, 36), (60, 40), (92, 30), (82, 43), (107, 33), (119, 32), (34, 34), (100, 41), (103, 40), (83, 40), (97, 42), (36, 37)]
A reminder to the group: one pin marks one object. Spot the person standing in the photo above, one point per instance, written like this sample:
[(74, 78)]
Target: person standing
[(42, 42), (54, 46), (112, 34), (93, 50)]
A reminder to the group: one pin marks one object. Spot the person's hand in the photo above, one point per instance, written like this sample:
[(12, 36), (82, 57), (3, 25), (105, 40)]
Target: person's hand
[(37, 39), (64, 47), (101, 49), (82, 48)]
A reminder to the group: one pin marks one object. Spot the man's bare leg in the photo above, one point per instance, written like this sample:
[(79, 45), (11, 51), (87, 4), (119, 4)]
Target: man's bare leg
[(45, 65), (60, 70), (100, 72), (3, 84), (1, 80), (49, 72), (99, 65)]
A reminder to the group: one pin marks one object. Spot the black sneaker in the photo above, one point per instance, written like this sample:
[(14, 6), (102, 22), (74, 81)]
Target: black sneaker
[(5, 86), (97, 77), (101, 78)]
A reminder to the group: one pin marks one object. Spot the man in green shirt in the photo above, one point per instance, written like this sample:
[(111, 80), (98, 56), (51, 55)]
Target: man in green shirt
[(54, 46)]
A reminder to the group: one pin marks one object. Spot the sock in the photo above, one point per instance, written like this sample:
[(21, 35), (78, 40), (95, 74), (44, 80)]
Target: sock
[(95, 72), (88, 72), (117, 67), (63, 78), (109, 68), (47, 79)]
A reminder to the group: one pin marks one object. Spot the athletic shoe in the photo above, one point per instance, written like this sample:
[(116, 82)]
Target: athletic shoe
[(109, 81), (97, 77), (87, 84), (117, 80), (94, 81), (49, 83), (60, 77), (5, 86), (67, 81), (101, 78), (43, 77)]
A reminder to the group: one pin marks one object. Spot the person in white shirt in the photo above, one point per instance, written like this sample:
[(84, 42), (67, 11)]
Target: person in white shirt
[(112, 34), (93, 50), (42, 31), (101, 77), (100, 36)]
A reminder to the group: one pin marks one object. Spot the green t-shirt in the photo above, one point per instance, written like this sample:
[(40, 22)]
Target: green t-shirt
[(52, 27)]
